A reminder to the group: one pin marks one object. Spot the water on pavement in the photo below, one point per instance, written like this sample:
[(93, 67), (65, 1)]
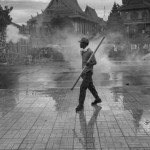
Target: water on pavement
[(37, 108)]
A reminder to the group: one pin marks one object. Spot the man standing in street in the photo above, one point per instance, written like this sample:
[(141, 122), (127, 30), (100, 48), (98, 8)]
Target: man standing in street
[(87, 75)]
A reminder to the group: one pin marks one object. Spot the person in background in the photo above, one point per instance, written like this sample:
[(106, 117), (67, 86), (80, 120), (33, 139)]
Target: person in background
[(87, 82)]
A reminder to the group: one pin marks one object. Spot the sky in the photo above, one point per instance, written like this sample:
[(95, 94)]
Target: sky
[(24, 9)]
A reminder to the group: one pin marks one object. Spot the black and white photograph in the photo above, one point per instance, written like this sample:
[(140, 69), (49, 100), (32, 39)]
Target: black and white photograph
[(74, 74)]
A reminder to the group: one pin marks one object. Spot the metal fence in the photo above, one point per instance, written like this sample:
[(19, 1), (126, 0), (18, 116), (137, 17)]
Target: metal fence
[(11, 53)]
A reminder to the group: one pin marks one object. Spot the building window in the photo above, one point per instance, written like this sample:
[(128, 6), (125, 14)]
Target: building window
[(134, 15), (124, 15), (144, 15), (127, 14)]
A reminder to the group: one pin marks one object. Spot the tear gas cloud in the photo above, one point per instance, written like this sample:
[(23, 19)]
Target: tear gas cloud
[(71, 50), (104, 64), (13, 35), (70, 47)]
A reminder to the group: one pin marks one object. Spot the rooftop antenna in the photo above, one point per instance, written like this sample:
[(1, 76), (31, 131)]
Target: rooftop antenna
[(104, 17), (6, 2)]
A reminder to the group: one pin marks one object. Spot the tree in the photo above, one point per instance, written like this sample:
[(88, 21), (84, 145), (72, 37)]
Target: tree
[(5, 18), (115, 32), (115, 22)]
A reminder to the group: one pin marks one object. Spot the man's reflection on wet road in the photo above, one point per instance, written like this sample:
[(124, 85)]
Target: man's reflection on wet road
[(87, 130)]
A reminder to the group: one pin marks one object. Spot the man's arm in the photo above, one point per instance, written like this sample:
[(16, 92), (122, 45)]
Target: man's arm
[(92, 61)]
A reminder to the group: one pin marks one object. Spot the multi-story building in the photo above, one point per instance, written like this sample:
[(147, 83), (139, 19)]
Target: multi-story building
[(136, 17)]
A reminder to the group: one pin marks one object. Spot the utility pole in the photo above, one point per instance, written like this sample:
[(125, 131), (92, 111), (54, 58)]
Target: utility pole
[(104, 17)]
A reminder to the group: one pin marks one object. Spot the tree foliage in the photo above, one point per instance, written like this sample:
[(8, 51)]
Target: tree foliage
[(115, 22), (5, 18)]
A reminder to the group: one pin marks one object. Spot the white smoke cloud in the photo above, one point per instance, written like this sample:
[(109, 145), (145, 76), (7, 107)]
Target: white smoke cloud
[(13, 35), (71, 51)]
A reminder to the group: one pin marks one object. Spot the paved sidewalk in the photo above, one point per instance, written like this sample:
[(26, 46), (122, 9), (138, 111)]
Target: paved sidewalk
[(46, 120)]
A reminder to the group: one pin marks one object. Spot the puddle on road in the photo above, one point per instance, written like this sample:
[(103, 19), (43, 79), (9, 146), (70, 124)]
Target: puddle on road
[(45, 78), (8, 101), (134, 110), (26, 77)]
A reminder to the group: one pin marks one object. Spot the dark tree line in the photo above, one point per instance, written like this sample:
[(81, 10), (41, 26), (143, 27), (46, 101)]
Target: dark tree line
[(115, 25), (115, 22), (5, 18)]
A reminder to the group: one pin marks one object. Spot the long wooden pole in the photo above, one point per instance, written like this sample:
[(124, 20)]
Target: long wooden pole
[(87, 62)]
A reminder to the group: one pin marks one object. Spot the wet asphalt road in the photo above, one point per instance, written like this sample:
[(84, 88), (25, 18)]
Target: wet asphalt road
[(63, 75), (37, 108)]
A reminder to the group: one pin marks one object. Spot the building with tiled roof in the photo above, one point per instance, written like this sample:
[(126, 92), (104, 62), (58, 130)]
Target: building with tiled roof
[(91, 13), (136, 17), (135, 4), (83, 22)]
